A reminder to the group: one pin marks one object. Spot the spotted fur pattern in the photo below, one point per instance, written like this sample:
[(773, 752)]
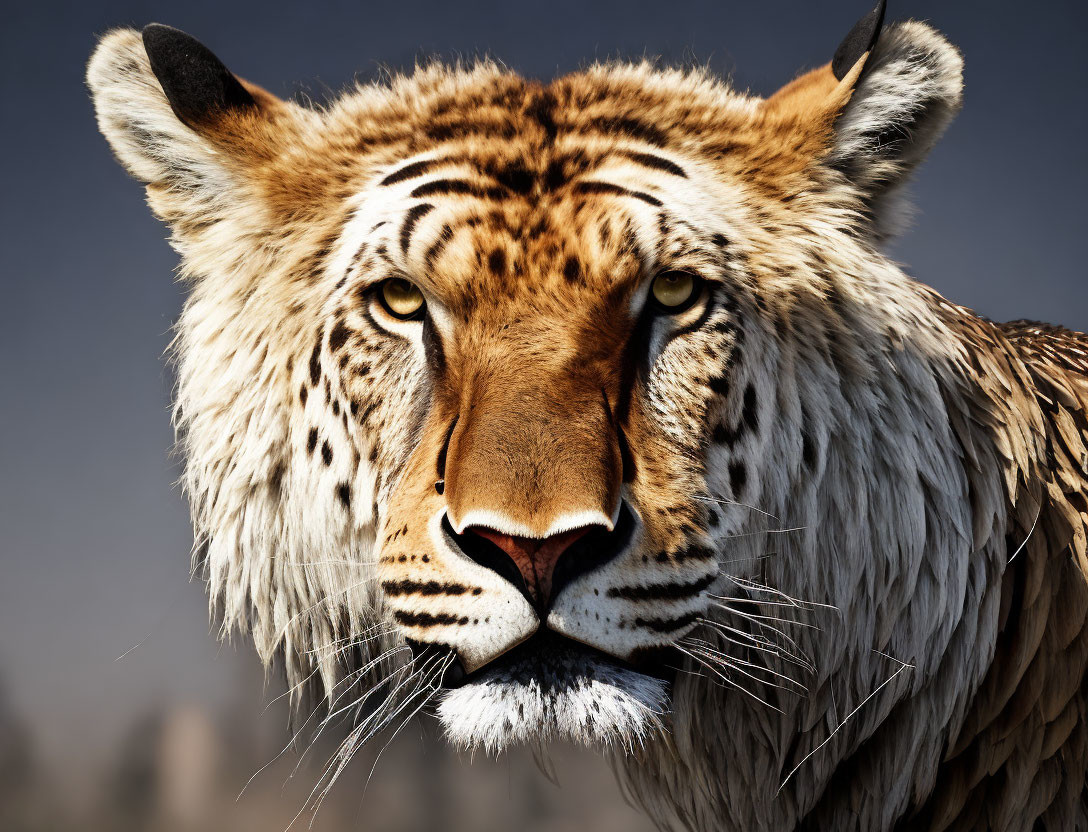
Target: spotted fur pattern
[(817, 427)]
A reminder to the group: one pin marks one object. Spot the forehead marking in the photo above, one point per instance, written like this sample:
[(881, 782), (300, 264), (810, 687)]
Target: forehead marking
[(412, 170), (650, 160), (460, 187), (594, 187), (414, 215), (510, 178)]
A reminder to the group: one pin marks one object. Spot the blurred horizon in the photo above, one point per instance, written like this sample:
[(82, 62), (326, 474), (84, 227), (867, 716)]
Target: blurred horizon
[(104, 639), (182, 767)]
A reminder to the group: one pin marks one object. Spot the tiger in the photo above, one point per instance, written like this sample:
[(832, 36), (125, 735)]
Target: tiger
[(595, 410)]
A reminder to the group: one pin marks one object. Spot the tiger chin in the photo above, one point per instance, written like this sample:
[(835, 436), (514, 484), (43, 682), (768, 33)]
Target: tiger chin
[(593, 410)]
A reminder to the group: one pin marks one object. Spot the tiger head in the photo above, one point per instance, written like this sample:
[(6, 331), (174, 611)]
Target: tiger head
[(496, 389)]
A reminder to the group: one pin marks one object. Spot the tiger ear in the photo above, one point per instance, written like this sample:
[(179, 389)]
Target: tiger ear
[(907, 93), (880, 104), (174, 115)]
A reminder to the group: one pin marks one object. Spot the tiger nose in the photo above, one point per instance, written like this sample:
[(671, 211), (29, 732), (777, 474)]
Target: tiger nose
[(540, 567), (534, 558)]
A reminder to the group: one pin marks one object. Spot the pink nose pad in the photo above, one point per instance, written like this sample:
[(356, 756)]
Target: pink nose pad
[(534, 557)]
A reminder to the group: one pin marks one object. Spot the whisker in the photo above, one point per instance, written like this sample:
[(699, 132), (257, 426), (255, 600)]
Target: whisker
[(737, 503), (348, 741), (748, 583), (353, 640), (435, 678), (737, 599), (314, 606), (734, 660), (359, 701), (763, 531), (686, 651), (757, 642), (313, 713), (1031, 531), (290, 690), (754, 557), (290, 743), (332, 562), (372, 562), (732, 663), (772, 649), (760, 638), (755, 617), (345, 754), (902, 666)]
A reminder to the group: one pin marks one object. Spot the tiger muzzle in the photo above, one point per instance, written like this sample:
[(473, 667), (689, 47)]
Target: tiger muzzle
[(532, 485)]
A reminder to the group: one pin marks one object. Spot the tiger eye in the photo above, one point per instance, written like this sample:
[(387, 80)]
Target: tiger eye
[(672, 290), (401, 298)]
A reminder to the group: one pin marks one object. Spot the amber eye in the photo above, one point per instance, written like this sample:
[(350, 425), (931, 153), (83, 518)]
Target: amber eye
[(401, 298), (675, 291)]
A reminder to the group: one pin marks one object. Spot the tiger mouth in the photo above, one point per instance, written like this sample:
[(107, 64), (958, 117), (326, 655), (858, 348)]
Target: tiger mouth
[(552, 688), (548, 658)]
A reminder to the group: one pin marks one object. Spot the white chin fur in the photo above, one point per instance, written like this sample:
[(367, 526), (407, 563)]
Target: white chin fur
[(576, 698)]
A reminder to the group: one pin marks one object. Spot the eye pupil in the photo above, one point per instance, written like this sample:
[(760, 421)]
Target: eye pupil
[(401, 298), (673, 291)]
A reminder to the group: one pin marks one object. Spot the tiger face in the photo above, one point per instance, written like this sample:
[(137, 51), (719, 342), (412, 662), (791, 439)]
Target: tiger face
[(561, 319), (563, 324), (483, 381)]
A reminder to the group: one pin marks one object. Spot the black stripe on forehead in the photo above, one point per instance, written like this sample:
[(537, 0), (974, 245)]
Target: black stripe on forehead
[(460, 187), (410, 171), (415, 214), (631, 128), (649, 160), (593, 187)]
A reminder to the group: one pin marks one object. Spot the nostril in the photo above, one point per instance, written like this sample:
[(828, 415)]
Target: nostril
[(593, 550), (534, 557), (541, 567), (487, 554)]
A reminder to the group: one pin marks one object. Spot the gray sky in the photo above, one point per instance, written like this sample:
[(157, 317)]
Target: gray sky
[(95, 537)]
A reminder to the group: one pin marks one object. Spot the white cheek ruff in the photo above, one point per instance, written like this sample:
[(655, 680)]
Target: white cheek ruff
[(577, 698)]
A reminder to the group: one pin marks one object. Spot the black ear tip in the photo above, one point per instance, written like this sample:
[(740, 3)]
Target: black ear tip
[(197, 84), (157, 31), (860, 40), (160, 39)]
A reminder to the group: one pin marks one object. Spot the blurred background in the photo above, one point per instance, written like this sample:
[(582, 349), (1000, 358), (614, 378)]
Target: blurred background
[(118, 708)]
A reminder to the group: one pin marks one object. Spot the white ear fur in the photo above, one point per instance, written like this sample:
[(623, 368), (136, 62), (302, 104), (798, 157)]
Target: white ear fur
[(135, 117), (908, 93)]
